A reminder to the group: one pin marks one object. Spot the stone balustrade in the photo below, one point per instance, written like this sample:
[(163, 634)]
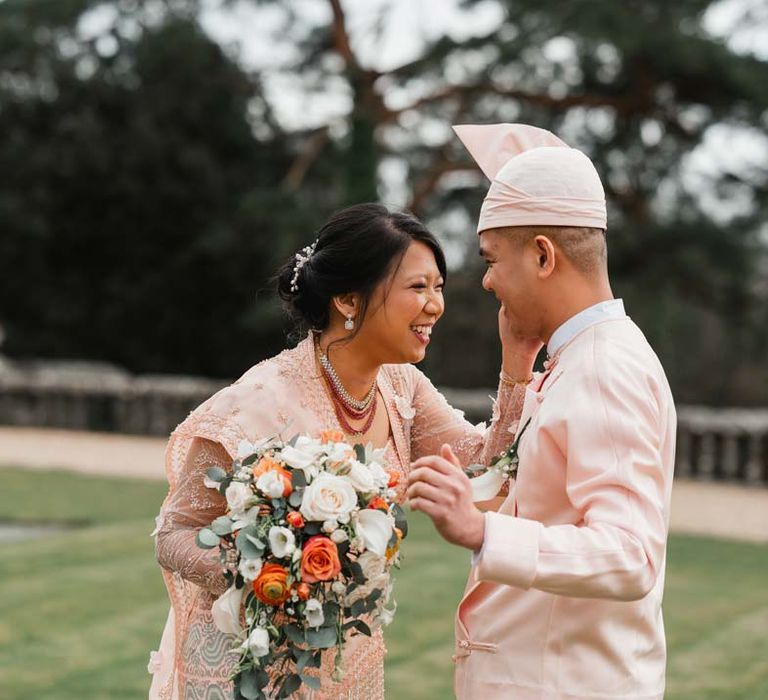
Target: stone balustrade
[(713, 444)]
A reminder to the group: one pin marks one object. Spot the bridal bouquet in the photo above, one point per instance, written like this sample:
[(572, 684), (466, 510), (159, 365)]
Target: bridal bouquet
[(308, 542)]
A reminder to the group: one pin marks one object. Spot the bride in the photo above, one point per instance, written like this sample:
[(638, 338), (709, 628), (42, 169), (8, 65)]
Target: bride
[(370, 288)]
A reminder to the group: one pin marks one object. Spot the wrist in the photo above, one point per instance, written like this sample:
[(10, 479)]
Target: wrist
[(516, 366), (477, 532)]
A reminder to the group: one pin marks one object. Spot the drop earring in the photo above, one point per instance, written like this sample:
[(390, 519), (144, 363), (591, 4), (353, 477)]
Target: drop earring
[(349, 324)]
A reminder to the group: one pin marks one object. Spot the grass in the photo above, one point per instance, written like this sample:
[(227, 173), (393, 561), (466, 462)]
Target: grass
[(80, 610)]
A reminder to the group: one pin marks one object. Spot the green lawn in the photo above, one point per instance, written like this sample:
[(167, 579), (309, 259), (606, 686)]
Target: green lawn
[(79, 611)]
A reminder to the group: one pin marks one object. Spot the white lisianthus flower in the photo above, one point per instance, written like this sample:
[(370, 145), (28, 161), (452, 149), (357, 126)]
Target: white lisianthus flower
[(238, 496), (271, 484), (339, 536), (374, 454), (329, 526), (303, 455), (281, 541), (250, 568), (387, 614), (327, 498), (226, 610), (375, 527), (343, 518), (339, 588), (361, 477), (313, 611), (249, 517), (380, 477), (258, 642), (245, 448)]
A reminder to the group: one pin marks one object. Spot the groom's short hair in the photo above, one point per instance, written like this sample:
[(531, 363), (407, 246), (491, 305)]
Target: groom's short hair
[(586, 248)]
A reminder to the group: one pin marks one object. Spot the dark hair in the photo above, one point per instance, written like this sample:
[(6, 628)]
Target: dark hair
[(357, 249)]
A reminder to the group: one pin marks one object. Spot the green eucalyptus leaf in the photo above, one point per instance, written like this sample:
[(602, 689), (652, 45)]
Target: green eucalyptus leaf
[(207, 539), (323, 638), (222, 526), (216, 474)]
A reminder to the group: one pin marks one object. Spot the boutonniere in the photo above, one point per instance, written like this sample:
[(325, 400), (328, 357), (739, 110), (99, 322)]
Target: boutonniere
[(502, 468)]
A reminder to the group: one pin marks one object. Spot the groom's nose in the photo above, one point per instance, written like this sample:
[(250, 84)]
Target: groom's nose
[(487, 282)]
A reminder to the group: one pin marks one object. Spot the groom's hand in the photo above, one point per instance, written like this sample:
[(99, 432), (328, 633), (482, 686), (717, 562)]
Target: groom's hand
[(438, 487)]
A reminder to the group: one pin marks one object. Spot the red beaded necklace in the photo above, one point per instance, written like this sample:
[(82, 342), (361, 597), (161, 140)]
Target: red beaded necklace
[(343, 410)]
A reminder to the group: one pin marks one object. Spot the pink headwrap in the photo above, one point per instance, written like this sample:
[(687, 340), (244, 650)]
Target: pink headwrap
[(536, 179)]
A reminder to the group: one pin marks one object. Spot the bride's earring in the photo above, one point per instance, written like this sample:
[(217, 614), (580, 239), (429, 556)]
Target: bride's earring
[(349, 324)]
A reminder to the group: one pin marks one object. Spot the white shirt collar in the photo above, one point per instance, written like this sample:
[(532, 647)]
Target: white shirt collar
[(602, 311)]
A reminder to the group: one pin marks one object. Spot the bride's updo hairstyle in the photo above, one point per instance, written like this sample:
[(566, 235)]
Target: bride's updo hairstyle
[(357, 249)]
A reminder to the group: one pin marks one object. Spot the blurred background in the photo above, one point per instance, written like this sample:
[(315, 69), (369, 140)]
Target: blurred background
[(159, 159)]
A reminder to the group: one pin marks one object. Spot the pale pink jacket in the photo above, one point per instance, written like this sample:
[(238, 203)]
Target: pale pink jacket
[(564, 602)]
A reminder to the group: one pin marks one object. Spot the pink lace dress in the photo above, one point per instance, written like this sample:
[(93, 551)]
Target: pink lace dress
[(283, 395)]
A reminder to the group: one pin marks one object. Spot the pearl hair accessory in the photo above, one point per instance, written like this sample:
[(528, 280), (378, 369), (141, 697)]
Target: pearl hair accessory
[(301, 259)]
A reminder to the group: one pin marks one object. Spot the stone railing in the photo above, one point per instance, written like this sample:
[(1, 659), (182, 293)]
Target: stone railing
[(724, 444)]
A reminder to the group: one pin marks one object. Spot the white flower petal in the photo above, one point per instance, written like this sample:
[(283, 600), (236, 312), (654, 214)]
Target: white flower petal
[(226, 611)]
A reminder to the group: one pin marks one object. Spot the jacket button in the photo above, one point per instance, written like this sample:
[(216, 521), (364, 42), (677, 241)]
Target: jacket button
[(464, 644)]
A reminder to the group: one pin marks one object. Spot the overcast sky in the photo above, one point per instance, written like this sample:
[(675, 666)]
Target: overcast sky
[(250, 32)]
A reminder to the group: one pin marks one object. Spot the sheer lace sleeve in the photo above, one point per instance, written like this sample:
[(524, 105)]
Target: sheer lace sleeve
[(188, 507), (435, 422)]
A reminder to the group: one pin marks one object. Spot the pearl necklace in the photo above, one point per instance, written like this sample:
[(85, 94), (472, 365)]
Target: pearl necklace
[(352, 403)]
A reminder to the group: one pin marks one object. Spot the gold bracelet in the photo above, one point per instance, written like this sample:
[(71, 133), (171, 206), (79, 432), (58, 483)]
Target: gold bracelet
[(514, 382)]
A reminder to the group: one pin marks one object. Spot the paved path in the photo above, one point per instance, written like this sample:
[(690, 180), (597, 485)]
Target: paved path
[(720, 510)]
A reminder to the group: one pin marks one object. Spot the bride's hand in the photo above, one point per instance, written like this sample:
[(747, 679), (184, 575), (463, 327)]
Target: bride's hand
[(518, 352)]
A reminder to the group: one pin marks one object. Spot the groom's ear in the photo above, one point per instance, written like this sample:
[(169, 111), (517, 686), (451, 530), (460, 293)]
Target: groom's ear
[(545, 252)]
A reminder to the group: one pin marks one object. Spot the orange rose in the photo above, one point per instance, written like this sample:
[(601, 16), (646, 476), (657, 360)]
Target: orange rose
[(331, 436), (319, 560), (378, 503), (303, 591), (266, 464), (295, 520), (394, 479), (271, 586)]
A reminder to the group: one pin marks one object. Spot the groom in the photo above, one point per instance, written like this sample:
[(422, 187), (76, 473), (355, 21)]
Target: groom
[(564, 597)]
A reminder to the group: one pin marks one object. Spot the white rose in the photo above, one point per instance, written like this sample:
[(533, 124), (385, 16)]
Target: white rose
[(258, 642), (360, 477), (328, 497), (339, 457), (375, 528), (238, 496), (302, 455), (271, 484), (250, 568), (313, 611), (226, 610), (281, 541)]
